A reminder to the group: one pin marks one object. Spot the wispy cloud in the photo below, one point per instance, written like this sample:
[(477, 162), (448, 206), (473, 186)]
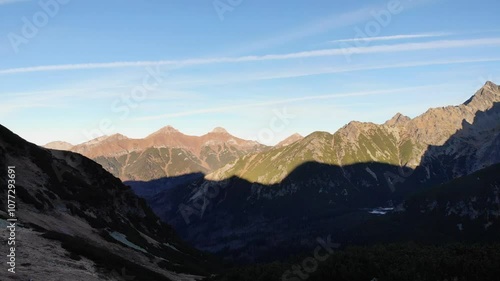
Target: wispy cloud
[(106, 90), (281, 101), (326, 24), (411, 36), (404, 47), (323, 25), (228, 78), (393, 37)]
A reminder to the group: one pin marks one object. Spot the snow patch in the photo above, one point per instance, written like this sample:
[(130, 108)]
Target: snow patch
[(120, 237), (381, 210)]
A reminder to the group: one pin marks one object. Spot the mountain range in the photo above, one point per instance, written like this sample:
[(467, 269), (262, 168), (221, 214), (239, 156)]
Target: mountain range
[(164, 153), (258, 206), (400, 141)]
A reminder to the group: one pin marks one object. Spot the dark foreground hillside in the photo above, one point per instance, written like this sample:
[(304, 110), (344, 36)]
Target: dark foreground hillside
[(75, 221), (394, 262)]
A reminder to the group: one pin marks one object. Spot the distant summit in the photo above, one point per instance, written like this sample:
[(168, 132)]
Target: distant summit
[(116, 137), (59, 145), (166, 130), (489, 93), (219, 130), (398, 119), (289, 140)]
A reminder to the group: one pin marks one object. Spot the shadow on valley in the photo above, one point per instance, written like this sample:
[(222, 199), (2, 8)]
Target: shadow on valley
[(358, 204), (245, 221)]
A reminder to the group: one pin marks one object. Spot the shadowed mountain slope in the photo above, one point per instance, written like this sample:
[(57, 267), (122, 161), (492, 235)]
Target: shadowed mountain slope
[(78, 222)]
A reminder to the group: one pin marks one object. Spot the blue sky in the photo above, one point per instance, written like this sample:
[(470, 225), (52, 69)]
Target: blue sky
[(73, 70)]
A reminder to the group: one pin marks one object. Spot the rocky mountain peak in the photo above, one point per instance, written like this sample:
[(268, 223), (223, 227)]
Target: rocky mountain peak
[(166, 130), (295, 136), (58, 145), (398, 119), (116, 137), (289, 140), (219, 130), (491, 85), (100, 140), (354, 128), (485, 97)]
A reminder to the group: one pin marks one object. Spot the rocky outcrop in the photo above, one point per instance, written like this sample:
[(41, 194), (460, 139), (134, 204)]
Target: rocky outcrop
[(398, 120)]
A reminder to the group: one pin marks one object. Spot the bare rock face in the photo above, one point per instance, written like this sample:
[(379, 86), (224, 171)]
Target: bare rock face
[(483, 98), (438, 124), (398, 120)]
